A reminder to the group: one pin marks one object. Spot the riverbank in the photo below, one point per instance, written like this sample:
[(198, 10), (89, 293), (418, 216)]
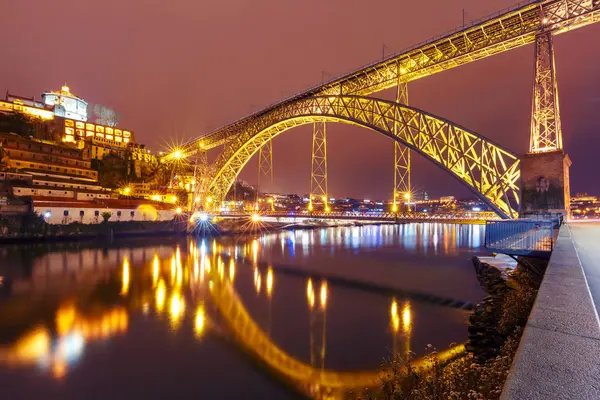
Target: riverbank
[(42, 232)]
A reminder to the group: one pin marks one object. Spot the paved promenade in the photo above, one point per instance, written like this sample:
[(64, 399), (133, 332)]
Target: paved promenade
[(586, 236), (559, 353)]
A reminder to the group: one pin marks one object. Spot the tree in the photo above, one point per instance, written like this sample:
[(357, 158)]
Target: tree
[(17, 123), (106, 215)]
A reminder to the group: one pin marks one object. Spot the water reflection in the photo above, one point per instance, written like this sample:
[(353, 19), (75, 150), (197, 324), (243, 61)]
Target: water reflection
[(203, 285)]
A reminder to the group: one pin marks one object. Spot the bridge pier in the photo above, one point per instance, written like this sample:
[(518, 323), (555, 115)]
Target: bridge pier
[(545, 185), (401, 153)]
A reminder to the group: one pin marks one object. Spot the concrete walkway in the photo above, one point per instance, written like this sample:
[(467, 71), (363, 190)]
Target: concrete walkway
[(586, 236), (559, 352)]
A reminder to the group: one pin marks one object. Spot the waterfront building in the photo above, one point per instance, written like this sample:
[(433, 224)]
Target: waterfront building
[(90, 212), (39, 168)]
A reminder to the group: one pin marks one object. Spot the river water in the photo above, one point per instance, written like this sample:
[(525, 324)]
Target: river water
[(259, 316)]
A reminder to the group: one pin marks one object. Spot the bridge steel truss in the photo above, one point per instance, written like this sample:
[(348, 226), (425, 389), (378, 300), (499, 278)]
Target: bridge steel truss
[(490, 171), (506, 31)]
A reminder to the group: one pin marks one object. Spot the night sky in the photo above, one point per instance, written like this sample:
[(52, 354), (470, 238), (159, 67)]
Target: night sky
[(177, 69)]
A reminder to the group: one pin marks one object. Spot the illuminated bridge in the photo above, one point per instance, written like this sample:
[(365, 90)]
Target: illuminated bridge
[(490, 171)]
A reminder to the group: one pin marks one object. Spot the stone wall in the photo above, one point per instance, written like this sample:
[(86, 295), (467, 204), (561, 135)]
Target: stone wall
[(545, 183)]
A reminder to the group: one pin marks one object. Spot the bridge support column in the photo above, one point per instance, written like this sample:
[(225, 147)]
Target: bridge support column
[(401, 157), (201, 172), (318, 176), (545, 169), (265, 166)]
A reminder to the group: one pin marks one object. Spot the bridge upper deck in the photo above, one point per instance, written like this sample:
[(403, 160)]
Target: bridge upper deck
[(507, 30)]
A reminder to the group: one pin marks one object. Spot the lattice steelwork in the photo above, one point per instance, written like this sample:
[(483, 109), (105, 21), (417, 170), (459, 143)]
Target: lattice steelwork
[(490, 171), (202, 175), (318, 173), (401, 156), (546, 133), (265, 164), (505, 31)]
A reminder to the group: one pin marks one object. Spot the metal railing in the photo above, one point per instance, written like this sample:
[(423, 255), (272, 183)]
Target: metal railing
[(520, 237)]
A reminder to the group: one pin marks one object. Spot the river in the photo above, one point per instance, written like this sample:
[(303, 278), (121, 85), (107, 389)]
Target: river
[(268, 315)]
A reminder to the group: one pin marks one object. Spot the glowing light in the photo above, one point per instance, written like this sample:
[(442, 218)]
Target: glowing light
[(47, 214), (231, 269), (174, 199), (407, 196), (161, 293), (257, 283), (127, 191), (31, 348), (125, 285), (395, 208), (310, 293), (200, 320), (65, 318), (178, 210), (177, 154), (209, 200), (406, 317), (269, 281), (402, 70), (155, 270), (203, 217), (323, 296), (255, 250), (255, 217)]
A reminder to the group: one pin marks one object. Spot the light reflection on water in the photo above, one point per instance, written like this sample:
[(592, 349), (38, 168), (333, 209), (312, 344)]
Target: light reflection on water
[(188, 290)]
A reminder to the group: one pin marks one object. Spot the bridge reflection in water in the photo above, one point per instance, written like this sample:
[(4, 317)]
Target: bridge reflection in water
[(196, 284)]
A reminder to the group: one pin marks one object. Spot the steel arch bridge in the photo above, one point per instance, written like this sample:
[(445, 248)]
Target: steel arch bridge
[(490, 171)]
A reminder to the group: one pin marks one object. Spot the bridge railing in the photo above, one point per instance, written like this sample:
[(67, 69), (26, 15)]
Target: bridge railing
[(524, 237)]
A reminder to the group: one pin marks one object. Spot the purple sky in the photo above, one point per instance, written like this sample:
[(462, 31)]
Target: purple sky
[(177, 69)]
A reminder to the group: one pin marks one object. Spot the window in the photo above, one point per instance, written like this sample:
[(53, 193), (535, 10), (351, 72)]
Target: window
[(81, 213), (66, 213), (132, 214), (96, 213), (119, 213)]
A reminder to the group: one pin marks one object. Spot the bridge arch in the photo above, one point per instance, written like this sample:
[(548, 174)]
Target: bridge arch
[(488, 170)]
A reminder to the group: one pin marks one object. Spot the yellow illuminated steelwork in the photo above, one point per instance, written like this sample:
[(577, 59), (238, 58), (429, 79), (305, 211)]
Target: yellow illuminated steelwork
[(318, 175), (125, 280), (510, 30), (401, 152), (489, 170)]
